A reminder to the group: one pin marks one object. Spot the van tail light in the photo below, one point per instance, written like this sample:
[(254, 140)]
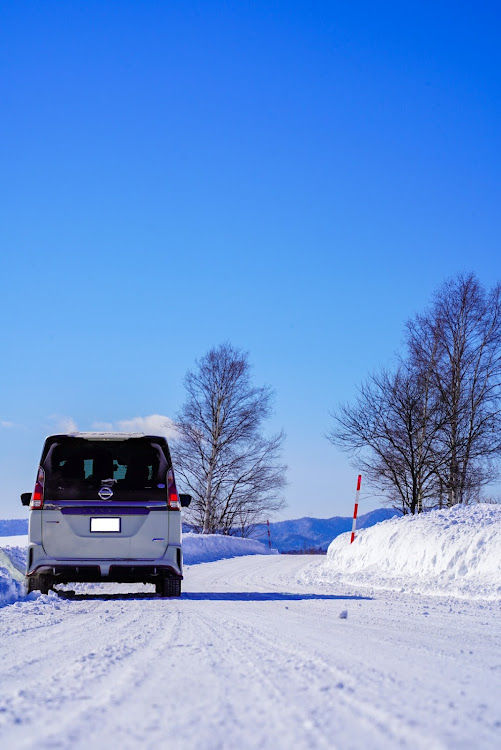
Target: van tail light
[(172, 495), (37, 496)]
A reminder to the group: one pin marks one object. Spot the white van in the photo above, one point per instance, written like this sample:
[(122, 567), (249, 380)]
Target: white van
[(105, 508)]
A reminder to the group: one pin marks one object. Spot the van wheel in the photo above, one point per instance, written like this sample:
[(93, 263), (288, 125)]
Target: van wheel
[(168, 586), (40, 582)]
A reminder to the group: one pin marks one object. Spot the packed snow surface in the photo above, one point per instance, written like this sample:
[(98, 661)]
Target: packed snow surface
[(452, 552), (249, 657), (264, 651)]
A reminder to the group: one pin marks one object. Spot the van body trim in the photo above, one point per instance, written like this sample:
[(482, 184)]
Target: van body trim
[(107, 510)]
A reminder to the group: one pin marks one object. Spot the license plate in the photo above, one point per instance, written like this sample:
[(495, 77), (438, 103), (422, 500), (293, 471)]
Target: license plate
[(105, 525)]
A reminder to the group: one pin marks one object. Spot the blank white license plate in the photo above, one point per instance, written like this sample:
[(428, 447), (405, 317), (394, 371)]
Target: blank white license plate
[(105, 524)]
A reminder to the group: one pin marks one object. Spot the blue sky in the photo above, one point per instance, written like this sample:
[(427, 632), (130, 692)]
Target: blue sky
[(294, 177)]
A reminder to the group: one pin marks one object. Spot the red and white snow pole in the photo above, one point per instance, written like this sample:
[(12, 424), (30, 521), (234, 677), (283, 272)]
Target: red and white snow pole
[(355, 510), (269, 535)]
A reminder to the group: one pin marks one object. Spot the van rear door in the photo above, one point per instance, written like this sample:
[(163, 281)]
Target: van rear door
[(105, 498)]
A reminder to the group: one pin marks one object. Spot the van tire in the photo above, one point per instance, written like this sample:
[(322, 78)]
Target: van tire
[(168, 586), (39, 582)]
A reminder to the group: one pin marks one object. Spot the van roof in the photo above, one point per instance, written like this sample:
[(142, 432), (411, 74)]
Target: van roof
[(105, 435)]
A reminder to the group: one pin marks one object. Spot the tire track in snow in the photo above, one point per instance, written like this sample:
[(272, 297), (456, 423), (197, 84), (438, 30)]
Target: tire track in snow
[(257, 704), (59, 626), (231, 667), (336, 685), (324, 696), (80, 668)]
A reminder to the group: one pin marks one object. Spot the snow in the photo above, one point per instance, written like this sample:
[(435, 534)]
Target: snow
[(199, 548), (269, 651), (10, 589), (454, 552), (12, 565), (21, 540), (250, 657)]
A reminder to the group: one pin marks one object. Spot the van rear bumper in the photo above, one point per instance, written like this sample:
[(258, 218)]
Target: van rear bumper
[(114, 569), (116, 572)]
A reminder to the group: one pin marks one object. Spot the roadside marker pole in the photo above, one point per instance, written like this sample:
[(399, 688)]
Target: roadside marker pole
[(269, 535), (355, 510)]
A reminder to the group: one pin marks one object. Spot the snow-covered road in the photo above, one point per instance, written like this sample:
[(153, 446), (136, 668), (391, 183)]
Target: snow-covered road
[(254, 655)]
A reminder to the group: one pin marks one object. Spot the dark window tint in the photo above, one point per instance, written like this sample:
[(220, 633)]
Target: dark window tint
[(134, 469)]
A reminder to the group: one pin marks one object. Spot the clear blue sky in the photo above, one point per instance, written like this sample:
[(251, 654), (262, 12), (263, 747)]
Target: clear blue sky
[(294, 177)]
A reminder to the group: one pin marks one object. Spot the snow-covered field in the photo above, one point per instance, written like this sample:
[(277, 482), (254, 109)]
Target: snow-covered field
[(271, 651)]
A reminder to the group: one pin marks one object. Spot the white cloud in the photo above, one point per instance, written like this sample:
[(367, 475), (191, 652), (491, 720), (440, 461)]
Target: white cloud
[(64, 424), (7, 425), (154, 424)]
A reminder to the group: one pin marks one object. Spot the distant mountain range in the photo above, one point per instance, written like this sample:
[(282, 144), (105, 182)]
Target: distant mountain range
[(302, 534), (316, 533), (286, 536)]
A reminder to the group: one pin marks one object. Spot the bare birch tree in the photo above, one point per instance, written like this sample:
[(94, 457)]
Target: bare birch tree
[(389, 431), (459, 341), (430, 434), (233, 472)]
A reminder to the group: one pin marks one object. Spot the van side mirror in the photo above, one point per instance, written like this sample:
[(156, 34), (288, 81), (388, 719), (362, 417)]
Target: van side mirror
[(185, 500), (26, 498)]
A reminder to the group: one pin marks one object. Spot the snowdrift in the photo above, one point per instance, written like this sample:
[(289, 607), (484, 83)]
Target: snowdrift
[(198, 548), (10, 589), (12, 563), (449, 552)]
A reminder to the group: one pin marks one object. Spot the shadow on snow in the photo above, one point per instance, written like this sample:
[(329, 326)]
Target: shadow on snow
[(227, 596), (259, 596)]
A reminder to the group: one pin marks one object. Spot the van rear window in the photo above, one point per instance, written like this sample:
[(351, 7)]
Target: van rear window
[(134, 469)]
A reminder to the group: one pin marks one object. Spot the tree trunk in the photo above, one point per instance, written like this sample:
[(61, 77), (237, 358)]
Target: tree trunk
[(208, 500), (208, 488)]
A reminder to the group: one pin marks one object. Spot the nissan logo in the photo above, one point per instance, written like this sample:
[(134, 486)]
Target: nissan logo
[(105, 493)]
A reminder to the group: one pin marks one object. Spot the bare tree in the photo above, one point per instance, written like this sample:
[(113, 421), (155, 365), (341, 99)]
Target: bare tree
[(234, 473), (430, 434), (389, 431), (459, 341)]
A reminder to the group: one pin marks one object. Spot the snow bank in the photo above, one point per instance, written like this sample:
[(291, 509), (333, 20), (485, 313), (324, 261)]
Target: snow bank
[(198, 548), (10, 589), (12, 564), (454, 552), (13, 552), (19, 540)]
